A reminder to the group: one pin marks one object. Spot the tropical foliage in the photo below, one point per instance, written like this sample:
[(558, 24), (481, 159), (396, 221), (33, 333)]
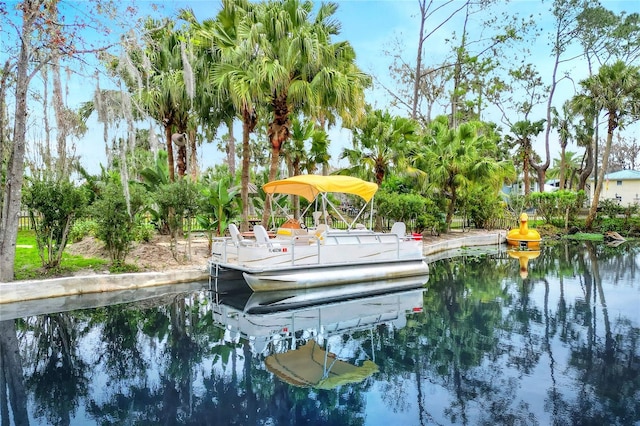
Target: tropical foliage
[(282, 70)]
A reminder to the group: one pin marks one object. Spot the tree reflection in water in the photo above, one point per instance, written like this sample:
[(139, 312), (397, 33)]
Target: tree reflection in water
[(560, 346)]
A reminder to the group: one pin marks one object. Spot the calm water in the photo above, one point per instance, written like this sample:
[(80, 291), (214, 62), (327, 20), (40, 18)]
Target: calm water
[(482, 343)]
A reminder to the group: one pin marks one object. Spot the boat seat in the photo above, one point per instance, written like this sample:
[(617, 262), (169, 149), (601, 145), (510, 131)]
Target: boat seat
[(236, 237), (262, 236), (400, 229), (321, 232)]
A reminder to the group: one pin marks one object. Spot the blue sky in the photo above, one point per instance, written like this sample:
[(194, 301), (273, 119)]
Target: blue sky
[(371, 27)]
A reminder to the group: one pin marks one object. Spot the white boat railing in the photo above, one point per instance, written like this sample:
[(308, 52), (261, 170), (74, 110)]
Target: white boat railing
[(225, 250)]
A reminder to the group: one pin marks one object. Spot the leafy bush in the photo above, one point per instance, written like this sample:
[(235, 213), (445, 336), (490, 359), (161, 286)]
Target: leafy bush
[(404, 207), (610, 208), (143, 231), (484, 207), (559, 205), (633, 224), (53, 207), (182, 200), (611, 225), (83, 228), (115, 224), (436, 224), (220, 205)]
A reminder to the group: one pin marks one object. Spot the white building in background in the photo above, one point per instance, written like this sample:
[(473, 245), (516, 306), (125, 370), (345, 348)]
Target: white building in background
[(622, 186)]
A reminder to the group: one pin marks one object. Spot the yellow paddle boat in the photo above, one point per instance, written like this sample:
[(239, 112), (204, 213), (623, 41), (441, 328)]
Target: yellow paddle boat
[(524, 237), (523, 257)]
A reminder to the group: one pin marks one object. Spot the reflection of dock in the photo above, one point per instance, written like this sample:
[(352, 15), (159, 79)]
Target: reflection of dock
[(52, 305)]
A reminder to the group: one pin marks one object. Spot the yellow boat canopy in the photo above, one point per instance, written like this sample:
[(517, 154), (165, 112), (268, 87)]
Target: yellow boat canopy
[(309, 186)]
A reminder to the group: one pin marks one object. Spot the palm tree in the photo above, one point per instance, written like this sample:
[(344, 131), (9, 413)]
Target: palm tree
[(524, 130), (379, 145), (561, 122), (319, 152), (233, 74), (302, 70), (616, 91), (569, 165), (295, 153), (167, 96), (454, 159)]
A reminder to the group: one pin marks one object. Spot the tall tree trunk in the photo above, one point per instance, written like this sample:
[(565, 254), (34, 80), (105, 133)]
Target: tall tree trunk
[(244, 190), (170, 161), (3, 144), (563, 164), (418, 74), (587, 168), (605, 164), (181, 164), (46, 154), (452, 207), (61, 123), (273, 172), (231, 149), (525, 173), (15, 168), (457, 72), (278, 134), (193, 155)]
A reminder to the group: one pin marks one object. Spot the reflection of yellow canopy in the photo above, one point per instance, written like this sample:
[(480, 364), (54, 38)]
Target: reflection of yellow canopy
[(305, 367), (309, 186)]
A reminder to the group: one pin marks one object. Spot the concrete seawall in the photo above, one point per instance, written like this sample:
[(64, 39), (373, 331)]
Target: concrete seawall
[(433, 251), (67, 286)]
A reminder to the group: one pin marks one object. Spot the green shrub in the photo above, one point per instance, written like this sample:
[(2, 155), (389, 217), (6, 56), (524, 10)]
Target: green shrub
[(53, 207), (484, 207), (560, 205), (609, 224), (115, 224), (182, 200), (83, 228), (435, 224), (405, 207), (610, 208), (143, 232)]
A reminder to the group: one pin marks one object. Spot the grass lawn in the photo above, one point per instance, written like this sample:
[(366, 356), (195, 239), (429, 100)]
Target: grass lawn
[(28, 264)]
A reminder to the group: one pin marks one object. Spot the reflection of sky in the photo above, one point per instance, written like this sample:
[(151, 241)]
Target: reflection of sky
[(395, 402), (499, 385), (370, 26)]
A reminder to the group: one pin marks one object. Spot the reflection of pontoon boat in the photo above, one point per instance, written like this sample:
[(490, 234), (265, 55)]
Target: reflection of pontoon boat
[(280, 300), (306, 346), (323, 256)]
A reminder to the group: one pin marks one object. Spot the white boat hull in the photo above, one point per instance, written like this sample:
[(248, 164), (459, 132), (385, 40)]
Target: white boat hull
[(332, 275)]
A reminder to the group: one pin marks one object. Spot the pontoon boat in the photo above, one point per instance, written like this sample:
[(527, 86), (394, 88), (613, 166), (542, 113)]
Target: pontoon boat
[(299, 258)]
